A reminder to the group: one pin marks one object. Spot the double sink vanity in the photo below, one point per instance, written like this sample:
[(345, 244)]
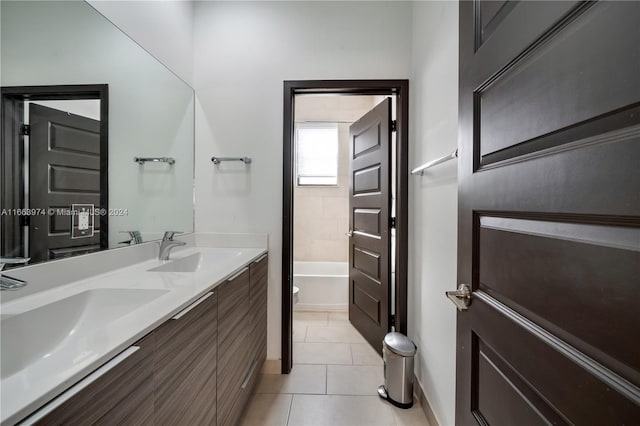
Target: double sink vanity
[(179, 341)]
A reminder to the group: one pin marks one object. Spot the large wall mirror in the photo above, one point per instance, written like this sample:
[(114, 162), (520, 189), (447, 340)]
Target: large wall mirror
[(81, 102)]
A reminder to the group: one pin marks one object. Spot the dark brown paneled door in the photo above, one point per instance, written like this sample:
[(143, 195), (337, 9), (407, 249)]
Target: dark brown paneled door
[(369, 213), (549, 213), (64, 169)]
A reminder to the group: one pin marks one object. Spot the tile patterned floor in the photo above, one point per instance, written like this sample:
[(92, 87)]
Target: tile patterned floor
[(333, 382)]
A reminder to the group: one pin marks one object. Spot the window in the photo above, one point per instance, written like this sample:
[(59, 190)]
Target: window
[(317, 154)]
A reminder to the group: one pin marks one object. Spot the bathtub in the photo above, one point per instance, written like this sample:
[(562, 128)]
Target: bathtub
[(324, 286)]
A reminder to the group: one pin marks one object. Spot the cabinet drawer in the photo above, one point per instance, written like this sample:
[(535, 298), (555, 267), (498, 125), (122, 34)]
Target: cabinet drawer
[(185, 365), (122, 394), (233, 344), (243, 396)]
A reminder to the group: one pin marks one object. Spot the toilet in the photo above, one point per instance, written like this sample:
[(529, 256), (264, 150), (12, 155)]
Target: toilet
[(296, 290)]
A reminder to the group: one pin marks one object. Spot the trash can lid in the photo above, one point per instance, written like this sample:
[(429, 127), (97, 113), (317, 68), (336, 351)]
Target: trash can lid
[(400, 344)]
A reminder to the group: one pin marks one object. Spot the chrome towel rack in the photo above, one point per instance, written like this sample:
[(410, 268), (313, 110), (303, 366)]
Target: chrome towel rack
[(142, 160), (218, 160), (420, 170)]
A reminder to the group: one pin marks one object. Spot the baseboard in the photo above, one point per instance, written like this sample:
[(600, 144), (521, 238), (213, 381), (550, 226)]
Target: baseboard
[(316, 307), (420, 396), (272, 366)]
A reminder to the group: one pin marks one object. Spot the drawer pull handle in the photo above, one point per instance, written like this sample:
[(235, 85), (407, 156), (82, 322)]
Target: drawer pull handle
[(237, 274), (78, 387), (191, 306), (254, 364), (261, 258)]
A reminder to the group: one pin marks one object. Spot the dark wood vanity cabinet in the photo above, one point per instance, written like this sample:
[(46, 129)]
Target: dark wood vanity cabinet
[(122, 395), (258, 310), (242, 339), (233, 342), (184, 365), (198, 368)]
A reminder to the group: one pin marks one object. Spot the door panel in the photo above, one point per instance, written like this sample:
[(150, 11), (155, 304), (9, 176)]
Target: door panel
[(367, 180), (568, 263), (367, 262), (64, 169), (549, 213), (551, 87), (368, 221), (369, 206)]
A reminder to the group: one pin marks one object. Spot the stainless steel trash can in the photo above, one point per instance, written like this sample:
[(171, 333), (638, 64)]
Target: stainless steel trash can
[(397, 353)]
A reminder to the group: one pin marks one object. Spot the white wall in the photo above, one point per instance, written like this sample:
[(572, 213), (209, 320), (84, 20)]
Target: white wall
[(243, 52), (433, 202), (163, 28)]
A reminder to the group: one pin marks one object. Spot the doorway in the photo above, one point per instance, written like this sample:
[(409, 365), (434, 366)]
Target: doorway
[(387, 307)]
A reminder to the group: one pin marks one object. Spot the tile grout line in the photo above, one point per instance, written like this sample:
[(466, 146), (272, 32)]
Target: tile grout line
[(289, 412), (326, 379)]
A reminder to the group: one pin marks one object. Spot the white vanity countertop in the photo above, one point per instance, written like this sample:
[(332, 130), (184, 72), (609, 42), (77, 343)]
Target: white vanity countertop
[(85, 323)]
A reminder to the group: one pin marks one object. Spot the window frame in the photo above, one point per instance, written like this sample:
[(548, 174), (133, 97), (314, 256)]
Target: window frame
[(316, 125)]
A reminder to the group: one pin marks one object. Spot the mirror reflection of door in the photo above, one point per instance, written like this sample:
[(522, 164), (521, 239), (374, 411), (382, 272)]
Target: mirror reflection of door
[(54, 157), (64, 169)]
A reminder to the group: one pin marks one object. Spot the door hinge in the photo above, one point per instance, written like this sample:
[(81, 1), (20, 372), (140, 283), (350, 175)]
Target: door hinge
[(394, 125), (392, 222), (25, 130)]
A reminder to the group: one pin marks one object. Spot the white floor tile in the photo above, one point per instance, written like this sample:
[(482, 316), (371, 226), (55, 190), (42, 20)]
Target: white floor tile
[(327, 389), (299, 331), (321, 353), (364, 354), (267, 410), (413, 416), (337, 410), (305, 318), (311, 379), (333, 335), (354, 379)]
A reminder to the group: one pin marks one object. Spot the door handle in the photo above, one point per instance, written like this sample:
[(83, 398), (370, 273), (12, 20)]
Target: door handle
[(460, 297), (349, 233)]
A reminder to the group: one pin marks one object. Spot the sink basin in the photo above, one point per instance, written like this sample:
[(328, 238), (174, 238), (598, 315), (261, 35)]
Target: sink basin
[(35, 334), (189, 263)]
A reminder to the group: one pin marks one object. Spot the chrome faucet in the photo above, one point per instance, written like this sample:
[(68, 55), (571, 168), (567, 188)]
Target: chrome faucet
[(7, 282), (167, 244), (12, 261), (11, 283), (136, 238)]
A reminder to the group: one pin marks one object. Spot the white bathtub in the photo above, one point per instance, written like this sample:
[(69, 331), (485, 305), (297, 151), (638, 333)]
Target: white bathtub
[(324, 286)]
